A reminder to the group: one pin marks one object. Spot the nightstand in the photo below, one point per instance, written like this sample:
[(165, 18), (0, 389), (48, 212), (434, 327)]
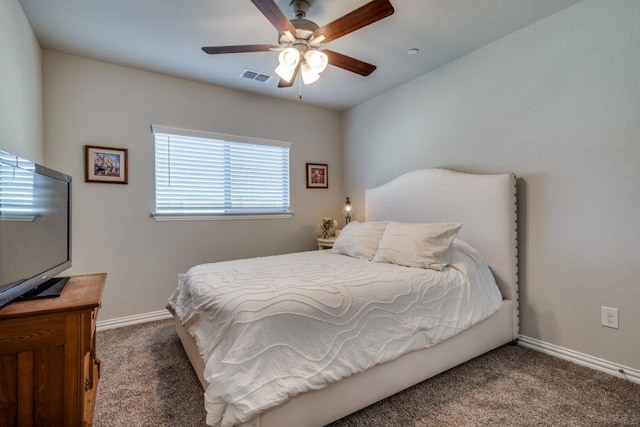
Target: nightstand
[(325, 243)]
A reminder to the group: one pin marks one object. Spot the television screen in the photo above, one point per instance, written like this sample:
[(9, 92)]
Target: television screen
[(35, 223)]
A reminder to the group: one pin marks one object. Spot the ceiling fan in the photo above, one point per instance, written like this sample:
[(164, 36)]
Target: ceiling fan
[(300, 40)]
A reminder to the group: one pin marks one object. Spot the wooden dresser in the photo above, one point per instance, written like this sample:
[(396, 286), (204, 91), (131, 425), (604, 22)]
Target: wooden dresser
[(48, 366)]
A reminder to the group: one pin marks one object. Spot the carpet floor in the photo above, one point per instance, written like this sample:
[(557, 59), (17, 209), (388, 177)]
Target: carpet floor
[(147, 380)]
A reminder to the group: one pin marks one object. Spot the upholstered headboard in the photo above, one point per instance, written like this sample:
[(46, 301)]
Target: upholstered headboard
[(484, 204)]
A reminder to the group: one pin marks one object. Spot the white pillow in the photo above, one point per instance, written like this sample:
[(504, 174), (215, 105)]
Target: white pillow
[(417, 245), (359, 239)]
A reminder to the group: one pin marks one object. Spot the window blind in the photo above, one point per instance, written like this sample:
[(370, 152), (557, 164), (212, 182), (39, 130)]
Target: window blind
[(200, 173)]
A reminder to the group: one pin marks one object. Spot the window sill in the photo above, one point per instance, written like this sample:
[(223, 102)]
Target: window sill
[(160, 217)]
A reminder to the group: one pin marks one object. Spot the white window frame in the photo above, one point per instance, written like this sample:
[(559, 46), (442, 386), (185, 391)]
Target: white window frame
[(176, 215)]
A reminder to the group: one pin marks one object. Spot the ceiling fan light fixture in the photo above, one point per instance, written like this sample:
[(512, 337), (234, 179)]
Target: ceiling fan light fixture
[(285, 72), (309, 75), (317, 60), (300, 39), (288, 36), (289, 57)]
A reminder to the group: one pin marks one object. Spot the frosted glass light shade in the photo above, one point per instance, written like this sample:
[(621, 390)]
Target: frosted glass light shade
[(309, 75), (317, 60), (289, 57), (285, 72)]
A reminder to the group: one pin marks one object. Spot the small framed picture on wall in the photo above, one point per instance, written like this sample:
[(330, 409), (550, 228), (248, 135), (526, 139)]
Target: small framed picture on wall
[(107, 165), (317, 175)]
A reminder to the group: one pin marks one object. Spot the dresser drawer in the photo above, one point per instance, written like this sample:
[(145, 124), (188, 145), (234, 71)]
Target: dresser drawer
[(23, 334)]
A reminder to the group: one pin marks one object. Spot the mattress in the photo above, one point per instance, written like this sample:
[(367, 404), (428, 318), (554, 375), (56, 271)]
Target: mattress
[(270, 328)]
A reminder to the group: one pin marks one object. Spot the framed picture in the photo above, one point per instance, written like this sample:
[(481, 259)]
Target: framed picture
[(317, 175), (108, 165)]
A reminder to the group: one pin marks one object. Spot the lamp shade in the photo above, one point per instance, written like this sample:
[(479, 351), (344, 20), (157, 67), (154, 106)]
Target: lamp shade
[(317, 60), (285, 72), (309, 75), (289, 57), (347, 210)]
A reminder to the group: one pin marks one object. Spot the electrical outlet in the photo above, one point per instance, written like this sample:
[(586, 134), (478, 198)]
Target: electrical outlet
[(609, 317)]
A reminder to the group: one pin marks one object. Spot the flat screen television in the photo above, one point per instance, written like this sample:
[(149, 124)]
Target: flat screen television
[(35, 229)]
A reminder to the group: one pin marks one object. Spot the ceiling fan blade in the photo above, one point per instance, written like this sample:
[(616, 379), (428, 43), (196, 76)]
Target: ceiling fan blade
[(352, 21), (272, 12), (284, 83), (212, 50), (348, 63)]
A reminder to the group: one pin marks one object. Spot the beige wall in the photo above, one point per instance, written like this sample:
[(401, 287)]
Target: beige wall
[(20, 85), (558, 104), (95, 103)]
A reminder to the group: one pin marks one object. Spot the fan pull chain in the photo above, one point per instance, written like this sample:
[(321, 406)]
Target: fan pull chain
[(300, 87)]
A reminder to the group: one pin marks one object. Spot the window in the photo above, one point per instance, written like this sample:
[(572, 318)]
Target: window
[(202, 175)]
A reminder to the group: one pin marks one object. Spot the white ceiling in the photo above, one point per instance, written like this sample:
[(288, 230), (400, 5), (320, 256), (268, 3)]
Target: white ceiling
[(165, 36)]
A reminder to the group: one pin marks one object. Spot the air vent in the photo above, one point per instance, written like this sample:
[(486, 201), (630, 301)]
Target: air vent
[(254, 75)]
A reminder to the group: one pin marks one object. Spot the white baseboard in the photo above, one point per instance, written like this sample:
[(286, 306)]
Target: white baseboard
[(592, 362), (102, 325)]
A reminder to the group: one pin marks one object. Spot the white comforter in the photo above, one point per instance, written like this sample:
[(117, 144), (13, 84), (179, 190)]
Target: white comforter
[(270, 328)]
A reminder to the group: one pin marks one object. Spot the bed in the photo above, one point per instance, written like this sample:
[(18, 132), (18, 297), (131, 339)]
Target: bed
[(486, 206)]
